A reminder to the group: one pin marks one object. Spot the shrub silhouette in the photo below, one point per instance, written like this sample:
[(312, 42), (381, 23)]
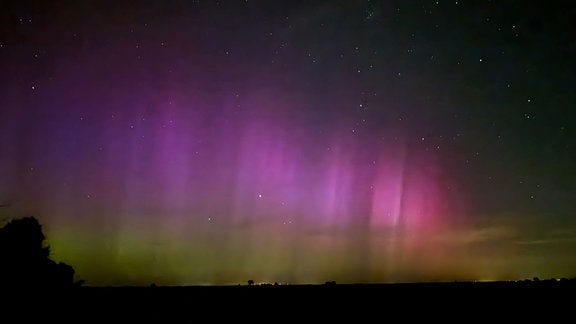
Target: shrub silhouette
[(25, 258)]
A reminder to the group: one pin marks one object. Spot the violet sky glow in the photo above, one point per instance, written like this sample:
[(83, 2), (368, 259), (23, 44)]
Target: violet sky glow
[(199, 142)]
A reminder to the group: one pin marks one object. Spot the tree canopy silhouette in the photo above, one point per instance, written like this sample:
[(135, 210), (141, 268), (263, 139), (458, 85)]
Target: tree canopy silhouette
[(25, 257)]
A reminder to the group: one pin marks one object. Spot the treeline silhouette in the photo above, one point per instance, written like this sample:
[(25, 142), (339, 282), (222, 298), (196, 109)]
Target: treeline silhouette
[(25, 258)]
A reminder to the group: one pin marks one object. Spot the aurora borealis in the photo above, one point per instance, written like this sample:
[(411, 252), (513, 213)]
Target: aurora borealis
[(212, 142)]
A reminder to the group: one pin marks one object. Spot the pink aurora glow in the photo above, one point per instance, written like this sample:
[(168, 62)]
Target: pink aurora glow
[(196, 192)]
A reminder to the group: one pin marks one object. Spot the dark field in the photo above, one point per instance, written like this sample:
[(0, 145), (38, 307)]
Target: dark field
[(338, 294), (461, 302)]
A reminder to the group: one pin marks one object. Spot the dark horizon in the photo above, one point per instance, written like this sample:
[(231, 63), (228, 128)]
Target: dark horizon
[(528, 282)]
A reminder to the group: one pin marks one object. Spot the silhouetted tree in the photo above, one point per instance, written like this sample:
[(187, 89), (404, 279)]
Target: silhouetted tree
[(250, 282), (25, 258)]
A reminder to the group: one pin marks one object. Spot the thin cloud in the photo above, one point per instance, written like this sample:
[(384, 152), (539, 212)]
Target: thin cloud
[(481, 235)]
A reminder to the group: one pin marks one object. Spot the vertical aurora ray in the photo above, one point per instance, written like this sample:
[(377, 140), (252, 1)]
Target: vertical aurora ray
[(193, 142), (249, 202)]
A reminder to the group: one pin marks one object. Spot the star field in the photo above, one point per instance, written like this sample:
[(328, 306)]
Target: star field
[(212, 142)]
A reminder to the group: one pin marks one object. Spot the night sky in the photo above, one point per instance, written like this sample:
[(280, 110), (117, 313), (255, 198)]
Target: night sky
[(212, 142)]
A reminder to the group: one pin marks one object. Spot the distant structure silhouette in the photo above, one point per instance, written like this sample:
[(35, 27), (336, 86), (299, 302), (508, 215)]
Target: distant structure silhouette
[(25, 258)]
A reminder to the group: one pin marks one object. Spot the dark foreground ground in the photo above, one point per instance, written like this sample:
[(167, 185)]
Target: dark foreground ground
[(287, 296), (331, 289), (358, 303)]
